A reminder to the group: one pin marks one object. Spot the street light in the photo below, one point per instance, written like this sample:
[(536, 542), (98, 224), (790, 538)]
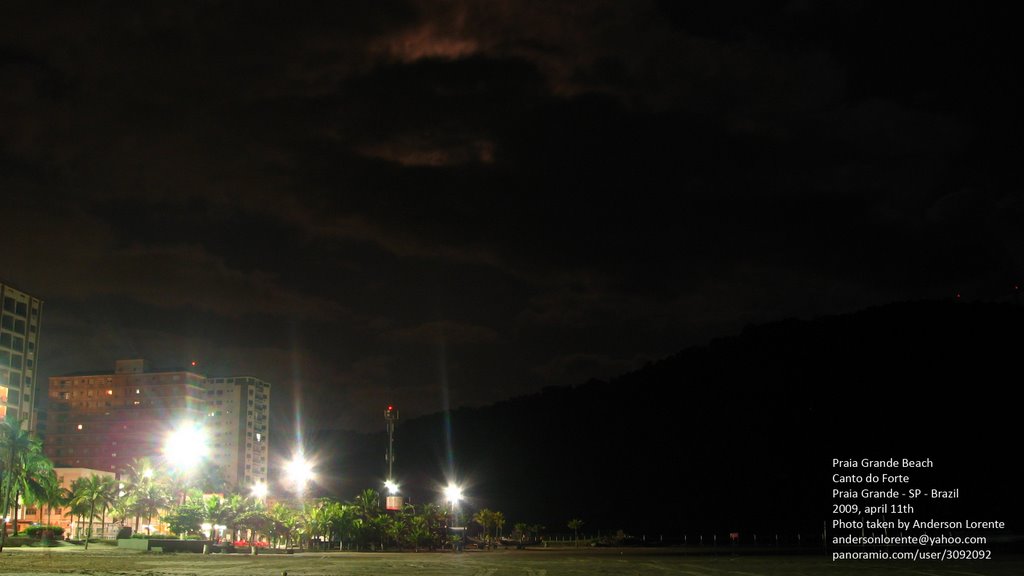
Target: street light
[(452, 495), (392, 501), (299, 471), (259, 490), (184, 447)]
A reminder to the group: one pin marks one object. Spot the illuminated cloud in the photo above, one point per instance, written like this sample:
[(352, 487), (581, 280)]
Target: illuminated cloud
[(429, 40), (418, 150)]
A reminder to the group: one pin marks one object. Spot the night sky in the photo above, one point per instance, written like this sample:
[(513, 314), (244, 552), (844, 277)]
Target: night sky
[(439, 204)]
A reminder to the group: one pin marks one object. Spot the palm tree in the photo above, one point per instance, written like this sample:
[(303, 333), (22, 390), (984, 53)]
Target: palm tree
[(402, 530), (367, 506), (76, 509), (485, 518), (318, 521), (15, 443), (519, 531), (94, 491), (122, 508), (286, 522), (368, 503), (386, 527), (34, 468), (490, 520), (498, 521), (53, 495), (214, 512), (109, 497), (41, 486), (434, 517), (257, 520), (575, 524), (233, 508), (149, 500), (419, 531), (343, 522), (138, 478)]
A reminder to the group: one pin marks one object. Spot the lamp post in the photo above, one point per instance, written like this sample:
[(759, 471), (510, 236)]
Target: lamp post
[(392, 501), (452, 495), (299, 471), (184, 448), (259, 491)]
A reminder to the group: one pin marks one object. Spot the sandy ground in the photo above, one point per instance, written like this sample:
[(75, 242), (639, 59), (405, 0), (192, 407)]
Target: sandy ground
[(102, 560)]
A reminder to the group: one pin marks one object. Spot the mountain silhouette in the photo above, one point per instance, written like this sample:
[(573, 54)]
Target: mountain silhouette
[(738, 434)]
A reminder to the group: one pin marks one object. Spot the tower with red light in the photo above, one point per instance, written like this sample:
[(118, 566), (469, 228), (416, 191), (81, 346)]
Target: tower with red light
[(393, 501)]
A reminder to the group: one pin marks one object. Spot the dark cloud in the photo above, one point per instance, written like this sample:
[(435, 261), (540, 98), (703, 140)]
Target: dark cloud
[(456, 202)]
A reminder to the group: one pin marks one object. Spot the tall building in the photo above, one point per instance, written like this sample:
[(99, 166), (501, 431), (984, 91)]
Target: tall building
[(19, 348), (239, 417), (103, 421)]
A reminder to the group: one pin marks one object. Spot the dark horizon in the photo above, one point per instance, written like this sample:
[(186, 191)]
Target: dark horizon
[(756, 459)]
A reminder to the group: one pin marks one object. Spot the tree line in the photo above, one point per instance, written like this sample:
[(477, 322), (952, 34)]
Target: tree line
[(146, 491)]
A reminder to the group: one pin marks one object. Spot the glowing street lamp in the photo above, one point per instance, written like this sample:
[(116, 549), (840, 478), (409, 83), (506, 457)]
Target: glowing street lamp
[(392, 501), (299, 472), (452, 494), (185, 447), (259, 491)]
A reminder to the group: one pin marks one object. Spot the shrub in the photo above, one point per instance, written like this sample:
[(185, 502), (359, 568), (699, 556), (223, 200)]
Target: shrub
[(40, 530), (246, 543)]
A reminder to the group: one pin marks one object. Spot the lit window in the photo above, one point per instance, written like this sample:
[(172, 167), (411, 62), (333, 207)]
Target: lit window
[(110, 392)]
